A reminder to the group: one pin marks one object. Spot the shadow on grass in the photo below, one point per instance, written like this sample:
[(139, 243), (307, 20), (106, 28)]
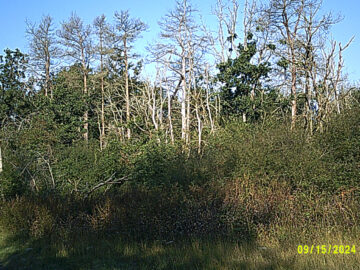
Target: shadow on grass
[(109, 252)]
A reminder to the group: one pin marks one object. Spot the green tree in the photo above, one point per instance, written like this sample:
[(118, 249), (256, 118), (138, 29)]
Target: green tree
[(239, 77), (68, 106), (15, 111), (14, 102)]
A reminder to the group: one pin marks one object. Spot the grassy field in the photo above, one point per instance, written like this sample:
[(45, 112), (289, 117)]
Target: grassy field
[(109, 252)]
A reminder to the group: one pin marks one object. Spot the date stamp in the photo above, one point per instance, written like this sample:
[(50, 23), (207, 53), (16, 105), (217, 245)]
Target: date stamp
[(326, 249)]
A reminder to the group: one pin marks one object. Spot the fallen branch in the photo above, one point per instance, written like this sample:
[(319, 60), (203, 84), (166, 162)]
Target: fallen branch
[(109, 181)]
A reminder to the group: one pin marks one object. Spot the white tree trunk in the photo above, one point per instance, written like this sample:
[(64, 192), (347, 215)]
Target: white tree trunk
[(1, 164), (183, 101), (169, 115), (207, 101)]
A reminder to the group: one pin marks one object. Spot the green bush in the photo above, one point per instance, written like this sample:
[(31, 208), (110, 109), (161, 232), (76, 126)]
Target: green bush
[(11, 183), (248, 178), (157, 164), (340, 145)]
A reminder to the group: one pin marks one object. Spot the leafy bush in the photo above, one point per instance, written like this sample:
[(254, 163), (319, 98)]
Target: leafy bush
[(11, 184), (248, 179), (158, 164), (341, 147)]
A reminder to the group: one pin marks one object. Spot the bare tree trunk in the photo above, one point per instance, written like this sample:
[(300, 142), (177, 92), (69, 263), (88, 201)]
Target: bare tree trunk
[(223, 54), (43, 48), (294, 98), (48, 87), (248, 20), (231, 26), (153, 114), (184, 99), (169, 115), (50, 171), (188, 116), (217, 108), (47, 75), (1, 163), (208, 102), (200, 126), (288, 27), (127, 95), (245, 25), (102, 134), (162, 100), (128, 29), (86, 113), (338, 73), (244, 117), (308, 98), (150, 99), (293, 73)]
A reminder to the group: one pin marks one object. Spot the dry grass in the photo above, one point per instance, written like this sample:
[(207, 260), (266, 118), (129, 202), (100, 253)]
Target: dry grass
[(103, 252)]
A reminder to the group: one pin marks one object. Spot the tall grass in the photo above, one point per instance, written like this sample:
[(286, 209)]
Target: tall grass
[(92, 252)]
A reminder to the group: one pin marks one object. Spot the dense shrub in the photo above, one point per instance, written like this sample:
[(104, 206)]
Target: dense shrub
[(340, 146), (157, 164), (136, 213), (275, 153), (247, 178), (11, 183), (238, 209), (27, 216)]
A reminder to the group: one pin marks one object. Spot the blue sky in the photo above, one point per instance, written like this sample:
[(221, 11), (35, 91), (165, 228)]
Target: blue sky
[(14, 13)]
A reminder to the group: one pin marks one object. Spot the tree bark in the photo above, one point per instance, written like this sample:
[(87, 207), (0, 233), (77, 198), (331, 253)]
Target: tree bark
[(208, 102), (184, 99), (127, 95), (47, 75), (293, 96), (86, 113), (102, 132), (102, 135), (1, 163)]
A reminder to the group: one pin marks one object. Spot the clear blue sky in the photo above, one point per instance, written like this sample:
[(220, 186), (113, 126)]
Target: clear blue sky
[(14, 13)]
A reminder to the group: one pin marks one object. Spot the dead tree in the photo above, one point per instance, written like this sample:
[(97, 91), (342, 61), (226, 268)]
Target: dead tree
[(179, 40), (127, 30), (102, 32), (43, 49), (286, 17), (76, 40)]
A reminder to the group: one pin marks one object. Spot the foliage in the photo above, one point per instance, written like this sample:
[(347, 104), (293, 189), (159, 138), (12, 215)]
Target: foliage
[(14, 100), (191, 155), (66, 109), (239, 78), (271, 177), (11, 183), (341, 147)]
